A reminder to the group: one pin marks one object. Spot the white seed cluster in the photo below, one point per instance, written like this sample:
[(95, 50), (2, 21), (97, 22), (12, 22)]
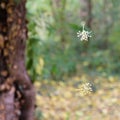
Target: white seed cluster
[(84, 35), (87, 86), (85, 89)]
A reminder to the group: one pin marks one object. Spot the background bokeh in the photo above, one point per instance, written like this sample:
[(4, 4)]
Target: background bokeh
[(61, 66)]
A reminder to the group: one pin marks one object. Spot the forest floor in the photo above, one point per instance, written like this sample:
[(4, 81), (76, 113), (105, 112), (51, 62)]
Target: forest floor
[(83, 97)]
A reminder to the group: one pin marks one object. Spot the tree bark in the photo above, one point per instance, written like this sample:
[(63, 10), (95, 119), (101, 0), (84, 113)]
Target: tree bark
[(16, 89)]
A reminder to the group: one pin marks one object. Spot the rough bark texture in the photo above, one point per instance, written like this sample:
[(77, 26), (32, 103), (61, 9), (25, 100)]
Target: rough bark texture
[(16, 89)]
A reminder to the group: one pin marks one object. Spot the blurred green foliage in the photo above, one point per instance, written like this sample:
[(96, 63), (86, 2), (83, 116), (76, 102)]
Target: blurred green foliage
[(53, 49)]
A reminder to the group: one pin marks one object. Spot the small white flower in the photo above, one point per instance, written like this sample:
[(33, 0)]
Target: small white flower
[(83, 35), (85, 89)]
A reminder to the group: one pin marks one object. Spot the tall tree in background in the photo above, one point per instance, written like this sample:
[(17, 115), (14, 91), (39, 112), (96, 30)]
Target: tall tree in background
[(58, 11), (16, 89), (86, 12), (86, 15)]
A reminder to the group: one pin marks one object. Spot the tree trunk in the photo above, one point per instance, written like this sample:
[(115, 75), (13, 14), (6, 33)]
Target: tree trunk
[(86, 16), (16, 89), (58, 10), (86, 12)]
